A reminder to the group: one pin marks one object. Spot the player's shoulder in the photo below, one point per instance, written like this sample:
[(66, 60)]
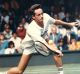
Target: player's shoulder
[(32, 25), (45, 14)]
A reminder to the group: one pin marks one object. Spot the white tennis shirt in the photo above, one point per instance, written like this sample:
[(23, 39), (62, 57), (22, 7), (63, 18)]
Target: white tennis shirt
[(35, 31)]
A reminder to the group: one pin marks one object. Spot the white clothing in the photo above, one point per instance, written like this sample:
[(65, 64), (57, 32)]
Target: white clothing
[(6, 18), (9, 51), (34, 33), (17, 41), (74, 29), (26, 25), (7, 35)]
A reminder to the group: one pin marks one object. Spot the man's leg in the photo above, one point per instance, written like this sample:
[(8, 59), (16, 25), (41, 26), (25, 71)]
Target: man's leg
[(22, 65), (58, 62)]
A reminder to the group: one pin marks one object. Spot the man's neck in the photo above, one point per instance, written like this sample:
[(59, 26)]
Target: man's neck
[(40, 24)]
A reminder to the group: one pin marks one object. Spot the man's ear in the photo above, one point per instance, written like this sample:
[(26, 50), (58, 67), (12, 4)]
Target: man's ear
[(33, 17)]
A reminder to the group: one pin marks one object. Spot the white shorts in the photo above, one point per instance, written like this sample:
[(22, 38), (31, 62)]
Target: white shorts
[(28, 47), (29, 50)]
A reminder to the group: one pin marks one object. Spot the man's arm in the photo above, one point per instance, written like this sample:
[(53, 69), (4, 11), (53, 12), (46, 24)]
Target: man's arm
[(60, 22)]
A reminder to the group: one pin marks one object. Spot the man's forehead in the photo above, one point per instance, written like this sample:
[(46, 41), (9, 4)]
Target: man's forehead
[(38, 11)]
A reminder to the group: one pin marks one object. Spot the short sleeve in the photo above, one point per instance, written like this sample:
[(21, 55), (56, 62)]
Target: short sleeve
[(49, 18)]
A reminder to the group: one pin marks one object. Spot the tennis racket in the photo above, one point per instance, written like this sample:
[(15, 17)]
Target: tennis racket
[(42, 48)]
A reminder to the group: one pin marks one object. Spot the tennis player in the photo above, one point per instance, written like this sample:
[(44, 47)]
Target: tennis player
[(40, 22)]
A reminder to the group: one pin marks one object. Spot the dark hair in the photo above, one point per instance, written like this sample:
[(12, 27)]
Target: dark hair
[(60, 40), (65, 39), (33, 8), (10, 43), (14, 32)]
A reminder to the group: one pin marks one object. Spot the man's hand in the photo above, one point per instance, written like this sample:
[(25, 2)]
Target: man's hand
[(73, 23), (59, 53)]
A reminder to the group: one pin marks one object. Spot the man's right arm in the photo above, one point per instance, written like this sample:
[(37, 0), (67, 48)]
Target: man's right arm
[(60, 22)]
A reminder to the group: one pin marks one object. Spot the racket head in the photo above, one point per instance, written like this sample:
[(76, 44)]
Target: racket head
[(42, 48)]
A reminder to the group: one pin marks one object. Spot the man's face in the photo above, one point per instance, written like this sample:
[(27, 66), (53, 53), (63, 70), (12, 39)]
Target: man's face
[(38, 17)]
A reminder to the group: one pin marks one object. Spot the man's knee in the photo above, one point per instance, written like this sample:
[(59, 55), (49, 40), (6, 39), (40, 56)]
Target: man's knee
[(57, 56), (57, 59)]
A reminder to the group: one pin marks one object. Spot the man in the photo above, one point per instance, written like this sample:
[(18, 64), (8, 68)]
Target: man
[(37, 26)]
